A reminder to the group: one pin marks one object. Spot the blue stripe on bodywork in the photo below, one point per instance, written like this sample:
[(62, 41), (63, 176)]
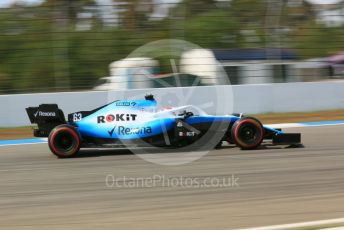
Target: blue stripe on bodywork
[(157, 126), (208, 119), (277, 132)]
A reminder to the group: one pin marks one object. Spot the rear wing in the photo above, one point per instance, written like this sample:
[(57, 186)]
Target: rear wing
[(47, 117)]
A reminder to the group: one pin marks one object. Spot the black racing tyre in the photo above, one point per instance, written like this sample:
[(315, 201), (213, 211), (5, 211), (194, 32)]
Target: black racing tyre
[(64, 141), (247, 133)]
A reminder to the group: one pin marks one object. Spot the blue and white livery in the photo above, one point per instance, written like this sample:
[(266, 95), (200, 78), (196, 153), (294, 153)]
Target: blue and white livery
[(140, 123)]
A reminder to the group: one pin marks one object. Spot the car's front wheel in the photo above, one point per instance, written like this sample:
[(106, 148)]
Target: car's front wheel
[(64, 141), (247, 133)]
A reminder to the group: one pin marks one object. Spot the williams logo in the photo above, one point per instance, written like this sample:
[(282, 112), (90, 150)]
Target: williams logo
[(125, 103), (116, 117), (121, 130)]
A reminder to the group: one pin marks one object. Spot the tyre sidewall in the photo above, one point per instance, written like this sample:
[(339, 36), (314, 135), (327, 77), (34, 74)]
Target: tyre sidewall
[(58, 152), (237, 139)]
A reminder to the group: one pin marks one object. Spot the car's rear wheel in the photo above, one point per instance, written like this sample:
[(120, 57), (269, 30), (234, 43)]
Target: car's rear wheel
[(64, 141), (247, 133)]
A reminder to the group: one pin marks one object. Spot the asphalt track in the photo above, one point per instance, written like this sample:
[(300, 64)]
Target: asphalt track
[(275, 186)]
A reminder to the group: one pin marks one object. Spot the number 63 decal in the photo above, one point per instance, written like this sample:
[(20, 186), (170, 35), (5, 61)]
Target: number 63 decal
[(77, 117)]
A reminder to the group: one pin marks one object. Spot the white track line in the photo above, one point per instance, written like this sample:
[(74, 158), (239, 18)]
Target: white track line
[(285, 125), (300, 225)]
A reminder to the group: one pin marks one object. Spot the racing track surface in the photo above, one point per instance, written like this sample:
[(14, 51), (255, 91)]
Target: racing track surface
[(276, 186)]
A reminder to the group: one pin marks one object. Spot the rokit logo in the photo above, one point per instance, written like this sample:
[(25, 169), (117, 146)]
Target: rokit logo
[(116, 117), (121, 130), (45, 114)]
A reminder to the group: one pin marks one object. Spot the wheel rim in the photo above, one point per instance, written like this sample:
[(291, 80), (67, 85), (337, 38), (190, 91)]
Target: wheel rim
[(64, 142), (249, 133)]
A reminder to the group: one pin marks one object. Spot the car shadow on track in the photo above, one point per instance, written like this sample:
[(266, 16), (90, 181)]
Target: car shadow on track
[(85, 153), (266, 146)]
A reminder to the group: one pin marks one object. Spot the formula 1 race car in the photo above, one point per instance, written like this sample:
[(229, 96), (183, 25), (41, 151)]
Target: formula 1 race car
[(137, 122)]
